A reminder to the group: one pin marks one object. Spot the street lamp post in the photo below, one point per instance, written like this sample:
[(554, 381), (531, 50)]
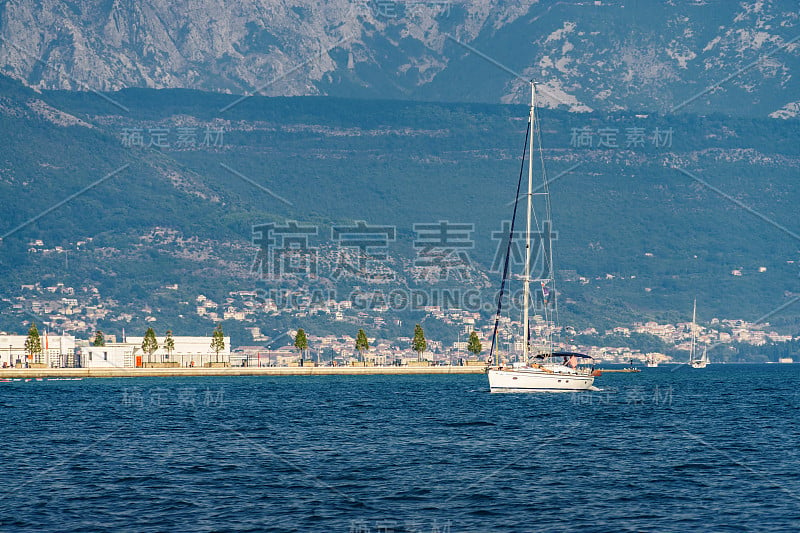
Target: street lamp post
[(458, 346)]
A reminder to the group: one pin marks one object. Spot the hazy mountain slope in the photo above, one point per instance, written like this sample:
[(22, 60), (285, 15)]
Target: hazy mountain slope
[(737, 57), (646, 237), (50, 155)]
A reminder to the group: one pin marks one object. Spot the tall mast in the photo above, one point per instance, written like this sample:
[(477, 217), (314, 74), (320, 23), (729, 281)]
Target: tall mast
[(694, 319), (526, 294)]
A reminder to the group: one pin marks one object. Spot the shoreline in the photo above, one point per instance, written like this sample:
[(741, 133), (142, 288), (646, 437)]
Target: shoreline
[(27, 373)]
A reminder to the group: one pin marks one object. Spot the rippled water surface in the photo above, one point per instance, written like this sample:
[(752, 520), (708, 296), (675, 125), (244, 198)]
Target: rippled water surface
[(664, 450)]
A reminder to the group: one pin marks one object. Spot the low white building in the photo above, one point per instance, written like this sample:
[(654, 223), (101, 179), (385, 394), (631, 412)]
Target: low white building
[(57, 350), (129, 354), (187, 350), (112, 355)]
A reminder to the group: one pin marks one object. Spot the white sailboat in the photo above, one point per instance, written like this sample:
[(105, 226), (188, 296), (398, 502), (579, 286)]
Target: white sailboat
[(650, 362), (694, 361), (550, 370), (703, 361)]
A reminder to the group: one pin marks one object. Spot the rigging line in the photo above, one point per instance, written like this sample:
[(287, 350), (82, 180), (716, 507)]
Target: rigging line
[(549, 256), (541, 227), (546, 242), (508, 248), (540, 224)]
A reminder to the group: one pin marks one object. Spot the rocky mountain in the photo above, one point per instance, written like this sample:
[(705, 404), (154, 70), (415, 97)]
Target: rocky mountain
[(698, 56)]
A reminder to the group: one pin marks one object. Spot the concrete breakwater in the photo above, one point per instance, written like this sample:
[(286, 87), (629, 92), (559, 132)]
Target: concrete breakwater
[(11, 373)]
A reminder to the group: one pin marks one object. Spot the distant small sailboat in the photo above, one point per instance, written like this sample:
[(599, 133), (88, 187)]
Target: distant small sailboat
[(702, 361), (650, 361)]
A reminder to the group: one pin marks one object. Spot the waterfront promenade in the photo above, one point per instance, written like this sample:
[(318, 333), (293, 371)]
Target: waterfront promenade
[(233, 371)]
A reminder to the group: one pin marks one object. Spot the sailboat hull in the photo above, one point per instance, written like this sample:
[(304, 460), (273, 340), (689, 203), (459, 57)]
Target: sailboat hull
[(537, 380)]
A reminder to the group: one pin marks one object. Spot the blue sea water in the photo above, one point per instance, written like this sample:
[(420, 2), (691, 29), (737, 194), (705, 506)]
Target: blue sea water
[(668, 449)]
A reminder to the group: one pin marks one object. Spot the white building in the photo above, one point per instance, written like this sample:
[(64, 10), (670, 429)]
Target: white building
[(112, 355), (60, 351), (187, 350), (57, 350)]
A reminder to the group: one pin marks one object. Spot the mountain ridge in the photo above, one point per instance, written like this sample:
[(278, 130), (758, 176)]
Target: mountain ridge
[(740, 58)]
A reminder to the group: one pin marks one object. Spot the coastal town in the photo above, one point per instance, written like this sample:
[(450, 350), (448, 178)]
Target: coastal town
[(68, 317)]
